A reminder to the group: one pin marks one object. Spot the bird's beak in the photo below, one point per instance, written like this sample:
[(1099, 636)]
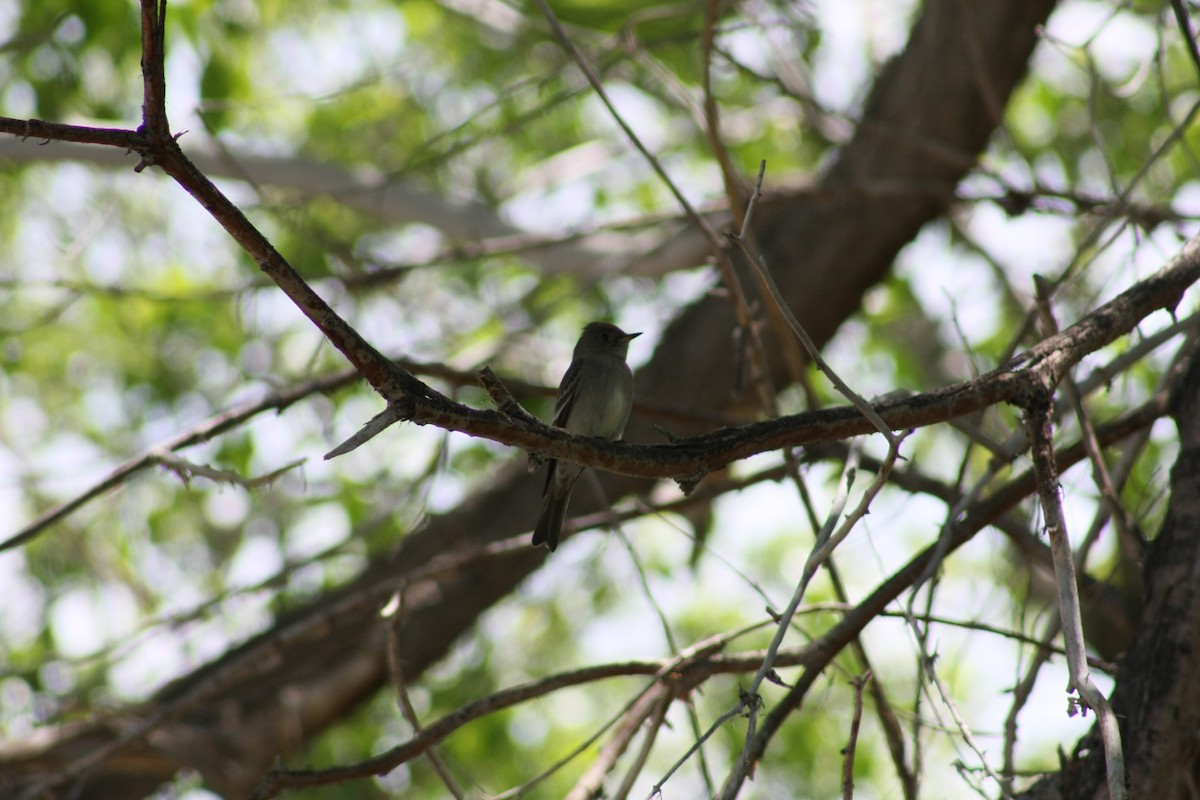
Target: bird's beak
[(630, 336)]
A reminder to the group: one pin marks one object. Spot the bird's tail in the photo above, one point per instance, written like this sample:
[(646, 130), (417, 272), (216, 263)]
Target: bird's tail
[(554, 511)]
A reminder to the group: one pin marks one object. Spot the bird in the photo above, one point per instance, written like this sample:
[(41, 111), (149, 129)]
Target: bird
[(594, 399)]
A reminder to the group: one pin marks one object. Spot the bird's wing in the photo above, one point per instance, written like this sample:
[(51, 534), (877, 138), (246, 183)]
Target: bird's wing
[(568, 391)]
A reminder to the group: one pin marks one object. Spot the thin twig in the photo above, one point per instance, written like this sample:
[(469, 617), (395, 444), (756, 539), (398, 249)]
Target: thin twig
[(565, 41), (1038, 421), (767, 284), (656, 790), (759, 375), (987, 512), (650, 705), (826, 542), (198, 434), (615, 526), (735, 188), (928, 661), (503, 399), (852, 744), (395, 661), (777, 310), (1021, 694), (893, 733), (1101, 476), (186, 470), (653, 726)]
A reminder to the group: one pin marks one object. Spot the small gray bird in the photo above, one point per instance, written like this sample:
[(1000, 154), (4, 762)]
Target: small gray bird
[(594, 399)]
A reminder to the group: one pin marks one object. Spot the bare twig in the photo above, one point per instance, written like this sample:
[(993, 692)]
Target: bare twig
[(373, 427), (615, 526), (1038, 421), (1021, 694), (564, 40), (395, 659), (928, 662), (154, 57), (986, 512), (198, 434), (650, 706), (767, 284), (1185, 29), (1100, 472), (852, 744), (741, 307), (827, 540), (735, 188), (892, 732), (500, 395), (656, 790), (186, 470), (653, 726)]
